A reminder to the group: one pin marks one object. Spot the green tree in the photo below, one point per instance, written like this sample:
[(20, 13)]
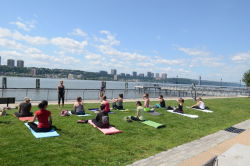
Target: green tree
[(246, 78)]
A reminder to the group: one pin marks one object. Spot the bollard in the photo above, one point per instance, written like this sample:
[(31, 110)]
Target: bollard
[(4, 83), (37, 83)]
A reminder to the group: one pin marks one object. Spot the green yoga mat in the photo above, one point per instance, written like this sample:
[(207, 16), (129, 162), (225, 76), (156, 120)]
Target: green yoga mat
[(153, 124)]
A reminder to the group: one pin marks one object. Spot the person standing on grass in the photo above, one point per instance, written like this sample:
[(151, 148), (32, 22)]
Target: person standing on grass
[(106, 104), (24, 108), (61, 93), (44, 118)]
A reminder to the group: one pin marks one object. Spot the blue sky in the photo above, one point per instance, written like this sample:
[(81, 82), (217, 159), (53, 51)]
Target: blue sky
[(188, 38)]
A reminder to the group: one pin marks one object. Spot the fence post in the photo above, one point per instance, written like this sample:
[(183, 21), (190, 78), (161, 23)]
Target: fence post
[(48, 95)]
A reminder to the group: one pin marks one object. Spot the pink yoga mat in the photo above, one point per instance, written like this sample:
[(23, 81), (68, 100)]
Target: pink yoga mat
[(106, 131), (26, 118)]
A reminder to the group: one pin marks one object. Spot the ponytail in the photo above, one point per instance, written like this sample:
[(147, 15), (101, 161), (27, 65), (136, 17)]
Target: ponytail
[(43, 104)]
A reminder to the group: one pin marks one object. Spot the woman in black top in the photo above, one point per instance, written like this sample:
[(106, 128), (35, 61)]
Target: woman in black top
[(162, 101), (24, 108), (61, 92), (180, 105)]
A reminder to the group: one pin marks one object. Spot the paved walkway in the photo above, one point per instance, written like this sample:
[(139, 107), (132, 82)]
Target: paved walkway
[(183, 152)]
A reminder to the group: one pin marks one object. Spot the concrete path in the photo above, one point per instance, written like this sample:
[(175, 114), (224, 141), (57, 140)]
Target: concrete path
[(183, 152)]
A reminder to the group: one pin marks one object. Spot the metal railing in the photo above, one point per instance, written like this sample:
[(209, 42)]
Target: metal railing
[(93, 94)]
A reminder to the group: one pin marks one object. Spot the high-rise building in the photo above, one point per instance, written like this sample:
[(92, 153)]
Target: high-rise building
[(122, 74), (113, 71), (33, 72), (157, 75), (128, 75), (141, 75), (10, 62), (134, 74), (164, 76), (102, 72), (20, 63), (150, 74)]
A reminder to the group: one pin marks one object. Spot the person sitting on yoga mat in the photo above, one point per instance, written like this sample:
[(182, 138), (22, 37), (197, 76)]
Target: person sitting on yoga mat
[(102, 118), (146, 102), (106, 104), (24, 108), (162, 102), (180, 106), (44, 118), (78, 107), (200, 104), (139, 113), (118, 103)]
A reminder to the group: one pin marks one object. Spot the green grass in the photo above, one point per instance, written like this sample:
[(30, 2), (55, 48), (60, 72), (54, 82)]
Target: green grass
[(81, 144)]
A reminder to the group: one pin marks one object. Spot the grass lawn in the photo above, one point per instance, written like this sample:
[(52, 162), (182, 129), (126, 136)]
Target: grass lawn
[(81, 144)]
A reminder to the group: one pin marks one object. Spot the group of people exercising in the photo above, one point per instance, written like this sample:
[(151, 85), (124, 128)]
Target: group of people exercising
[(102, 119)]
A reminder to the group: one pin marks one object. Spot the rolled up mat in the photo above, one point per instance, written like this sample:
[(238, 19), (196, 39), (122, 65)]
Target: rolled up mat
[(153, 124), (51, 133), (29, 118), (106, 131)]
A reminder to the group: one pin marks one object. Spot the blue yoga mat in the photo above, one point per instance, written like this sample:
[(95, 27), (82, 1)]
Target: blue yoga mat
[(51, 133), (94, 109)]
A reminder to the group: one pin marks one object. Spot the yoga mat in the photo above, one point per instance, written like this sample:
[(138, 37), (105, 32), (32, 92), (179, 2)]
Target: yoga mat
[(106, 131), (187, 115), (93, 109), (154, 113), (126, 110), (153, 124), (205, 110), (51, 133), (30, 118), (85, 115)]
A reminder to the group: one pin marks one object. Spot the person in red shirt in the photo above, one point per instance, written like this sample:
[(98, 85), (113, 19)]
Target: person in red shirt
[(106, 104), (44, 119)]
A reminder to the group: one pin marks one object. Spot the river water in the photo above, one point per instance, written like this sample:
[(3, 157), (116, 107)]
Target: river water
[(26, 82)]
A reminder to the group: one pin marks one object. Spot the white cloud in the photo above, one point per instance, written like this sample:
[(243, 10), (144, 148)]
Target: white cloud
[(145, 64), (79, 32), (191, 51), (109, 40), (241, 57), (24, 25), (93, 56), (68, 43), (37, 40), (11, 44)]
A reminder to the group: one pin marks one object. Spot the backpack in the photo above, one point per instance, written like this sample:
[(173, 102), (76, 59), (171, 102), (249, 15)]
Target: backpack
[(105, 120), (2, 112), (65, 113)]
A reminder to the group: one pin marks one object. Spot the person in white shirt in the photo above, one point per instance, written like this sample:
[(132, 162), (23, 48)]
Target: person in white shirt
[(199, 104)]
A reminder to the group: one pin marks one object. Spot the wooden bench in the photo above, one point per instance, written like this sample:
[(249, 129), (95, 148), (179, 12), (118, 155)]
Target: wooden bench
[(7, 100)]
